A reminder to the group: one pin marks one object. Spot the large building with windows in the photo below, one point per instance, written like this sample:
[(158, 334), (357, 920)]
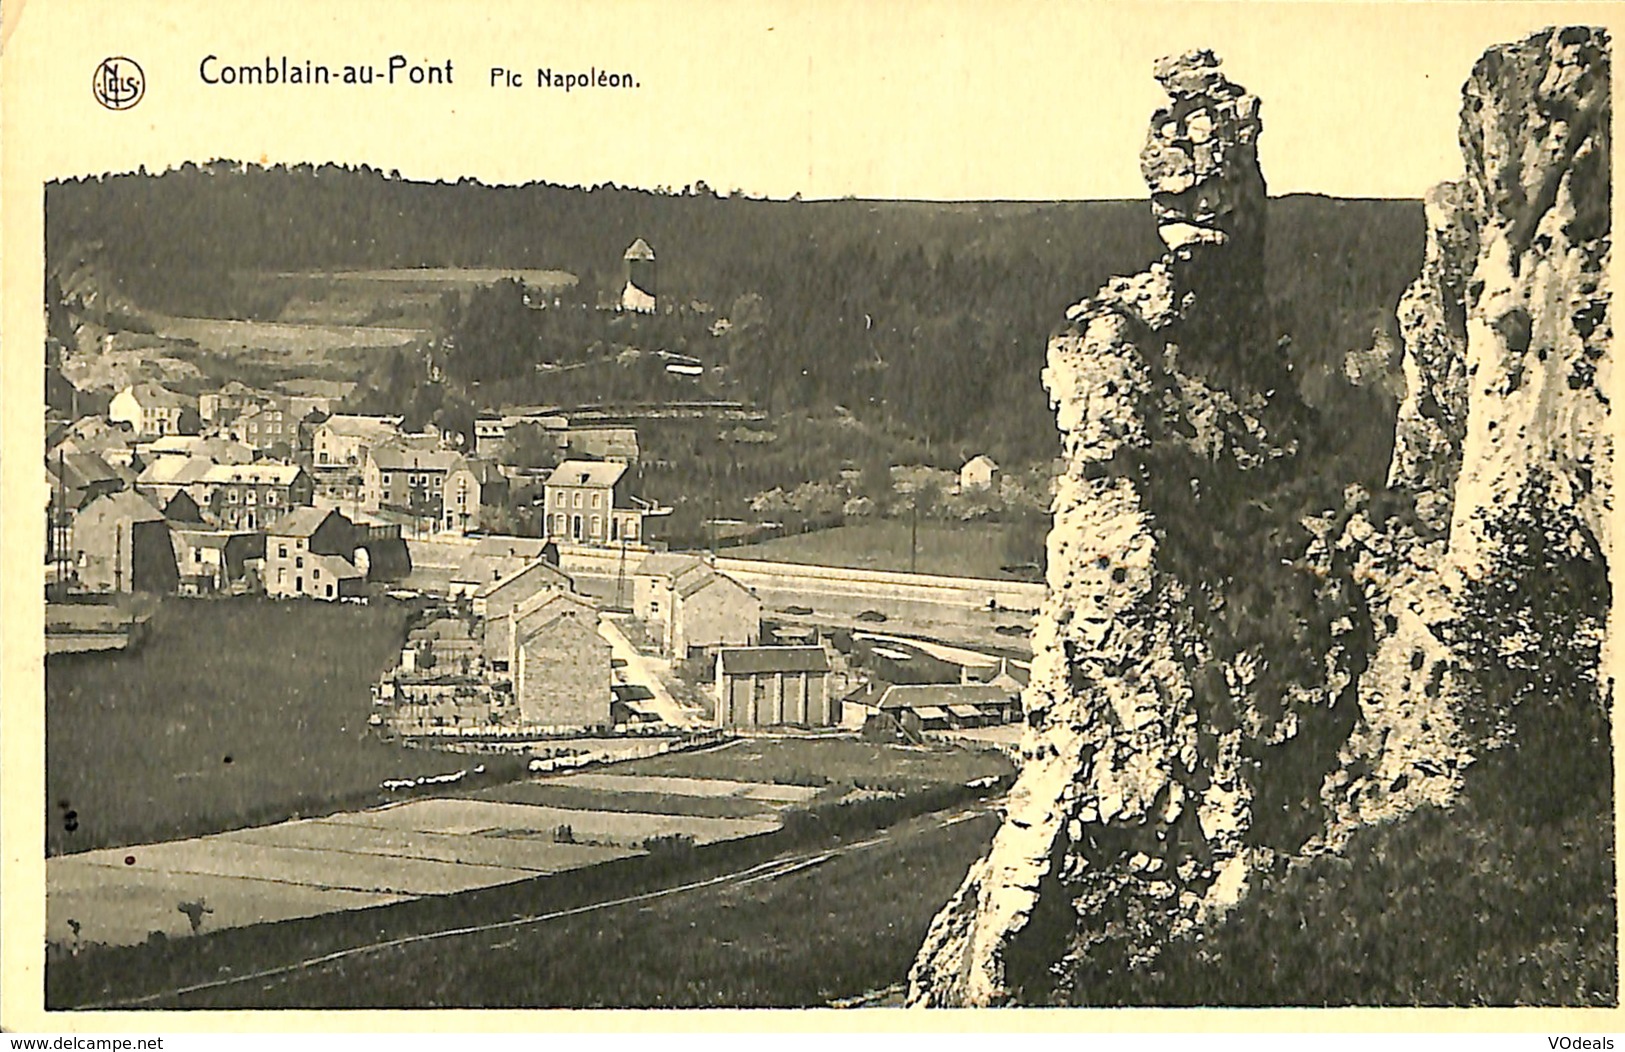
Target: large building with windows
[(590, 502)]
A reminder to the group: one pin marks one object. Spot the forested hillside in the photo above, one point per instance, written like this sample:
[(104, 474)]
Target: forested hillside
[(929, 317)]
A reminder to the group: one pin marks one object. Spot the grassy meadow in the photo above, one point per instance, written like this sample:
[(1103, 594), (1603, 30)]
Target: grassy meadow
[(232, 712)]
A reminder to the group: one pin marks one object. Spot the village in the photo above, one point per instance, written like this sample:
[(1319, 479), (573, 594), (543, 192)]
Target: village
[(592, 628)]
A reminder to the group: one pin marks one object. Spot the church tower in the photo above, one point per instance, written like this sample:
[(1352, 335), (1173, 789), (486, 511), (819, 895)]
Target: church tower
[(639, 292)]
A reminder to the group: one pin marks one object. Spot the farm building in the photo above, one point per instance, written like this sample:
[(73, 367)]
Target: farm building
[(308, 554), (345, 438), (120, 543), (765, 686), (915, 707), (979, 472)]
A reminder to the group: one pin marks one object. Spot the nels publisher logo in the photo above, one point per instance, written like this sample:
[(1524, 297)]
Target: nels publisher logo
[(118, 83)]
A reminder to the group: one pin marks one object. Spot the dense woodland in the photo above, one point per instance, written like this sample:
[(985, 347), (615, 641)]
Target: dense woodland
[(923, 319)]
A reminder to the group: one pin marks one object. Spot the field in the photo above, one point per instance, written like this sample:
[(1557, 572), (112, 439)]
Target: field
[(229, 335), (232, 712), (958, 550), (835, 923)]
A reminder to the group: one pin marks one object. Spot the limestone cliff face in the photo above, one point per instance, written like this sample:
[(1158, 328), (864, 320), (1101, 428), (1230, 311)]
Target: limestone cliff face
[(1501, 451), (1133, 811), (1235, 665)]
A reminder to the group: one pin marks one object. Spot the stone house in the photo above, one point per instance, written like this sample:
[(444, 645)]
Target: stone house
[(473, 489), (691, 608), (590, 502), (403, 479), (768, 686), (153, 411), (270, 427), (493, 558), (495, 598), (120, 542), (309, 553), (248, 496), (346, 438), (557, 661), (979, 473)]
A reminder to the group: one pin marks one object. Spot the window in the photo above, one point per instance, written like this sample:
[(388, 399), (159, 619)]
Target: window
[(231, 496), (250, 497), (281, 575), (329, 591), (597, 499), (299, 562), (578, 498), (316, 574), (597, 526), (282, 551), (197, 555)]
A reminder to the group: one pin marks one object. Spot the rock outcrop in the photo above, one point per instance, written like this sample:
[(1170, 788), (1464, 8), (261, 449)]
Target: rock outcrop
[(1148, 709), (1236, 665)]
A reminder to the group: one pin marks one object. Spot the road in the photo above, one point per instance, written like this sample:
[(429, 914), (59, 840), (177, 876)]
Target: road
[(644, 672)]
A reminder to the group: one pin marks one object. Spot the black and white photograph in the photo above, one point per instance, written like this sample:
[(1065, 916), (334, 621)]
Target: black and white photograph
[(1100, 506)]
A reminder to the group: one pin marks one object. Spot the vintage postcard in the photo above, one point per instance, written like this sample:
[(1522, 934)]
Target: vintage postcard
[(558, 508)]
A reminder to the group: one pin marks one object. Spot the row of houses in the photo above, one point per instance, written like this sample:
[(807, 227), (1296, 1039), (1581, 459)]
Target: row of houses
[(123, 542)]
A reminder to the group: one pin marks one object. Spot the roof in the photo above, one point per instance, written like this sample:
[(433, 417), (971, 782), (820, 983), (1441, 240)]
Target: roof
[(203, 538), (548, 570), (639, 249), (667, 564), (923, 695), (124, 504), (484, 471), (398, 458), (981, 460), (301, 522), (362, 426), (176, 470), (586, 473), (82, 469), (545, 608), (264, 474), (746, 660), (154, 395), (696, 582)]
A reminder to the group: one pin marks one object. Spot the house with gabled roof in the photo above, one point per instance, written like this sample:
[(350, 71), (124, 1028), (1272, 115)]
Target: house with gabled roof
[(474, 489), (119, 542), (979, 473), (495, 598), (248, 496), (154, 411), (346, 438), (550, 649), (309, 553), (492, 558), (590, 502), (404, 479)]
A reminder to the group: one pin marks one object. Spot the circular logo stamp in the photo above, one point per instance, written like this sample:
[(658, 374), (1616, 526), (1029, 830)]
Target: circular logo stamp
[(118, 83)]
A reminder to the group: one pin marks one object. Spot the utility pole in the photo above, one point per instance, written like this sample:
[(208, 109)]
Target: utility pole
[(914, 532)]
